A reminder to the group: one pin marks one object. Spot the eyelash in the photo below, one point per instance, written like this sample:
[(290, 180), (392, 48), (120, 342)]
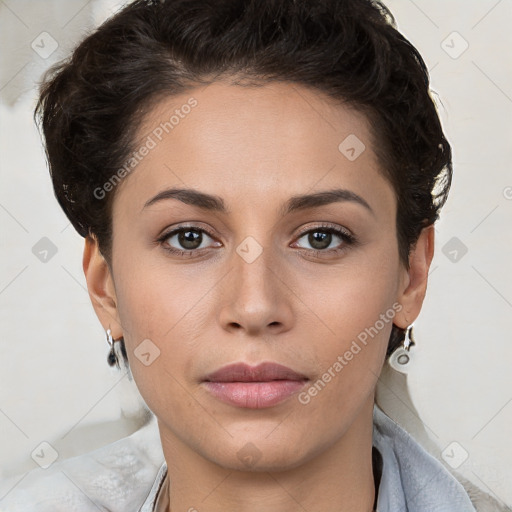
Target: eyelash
[(345, 235)]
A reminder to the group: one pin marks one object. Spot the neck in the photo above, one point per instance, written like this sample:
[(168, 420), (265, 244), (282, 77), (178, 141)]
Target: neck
[(339, 478)]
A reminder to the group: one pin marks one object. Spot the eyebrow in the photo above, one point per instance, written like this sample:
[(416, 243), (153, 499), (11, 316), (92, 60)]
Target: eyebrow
[(295, 203)]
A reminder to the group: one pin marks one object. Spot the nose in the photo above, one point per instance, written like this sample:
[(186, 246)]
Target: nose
[(255, 298)]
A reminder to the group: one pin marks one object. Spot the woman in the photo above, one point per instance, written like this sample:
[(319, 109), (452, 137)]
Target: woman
[(257, 184)]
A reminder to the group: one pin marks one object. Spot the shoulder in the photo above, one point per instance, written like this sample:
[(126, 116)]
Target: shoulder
[(426, 483), (116, 478)]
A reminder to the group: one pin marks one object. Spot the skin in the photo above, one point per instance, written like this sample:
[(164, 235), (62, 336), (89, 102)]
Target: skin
[(255, 147)]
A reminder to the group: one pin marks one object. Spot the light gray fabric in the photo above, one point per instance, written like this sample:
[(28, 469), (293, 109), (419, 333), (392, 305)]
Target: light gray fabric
[(413, 480), (126, 476), (114, 478), (151, 501)]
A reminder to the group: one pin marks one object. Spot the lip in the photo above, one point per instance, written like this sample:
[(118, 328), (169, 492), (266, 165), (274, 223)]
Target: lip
[(254, 387)]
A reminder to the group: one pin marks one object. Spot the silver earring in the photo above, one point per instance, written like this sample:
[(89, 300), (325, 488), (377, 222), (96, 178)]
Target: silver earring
[(112, 357), (117, 352), (401, 358)]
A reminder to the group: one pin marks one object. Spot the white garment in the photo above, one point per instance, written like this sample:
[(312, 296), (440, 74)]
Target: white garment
[(126, 476)]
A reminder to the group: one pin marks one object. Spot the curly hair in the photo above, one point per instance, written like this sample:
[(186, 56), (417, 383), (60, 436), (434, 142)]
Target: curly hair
[(91, 104)]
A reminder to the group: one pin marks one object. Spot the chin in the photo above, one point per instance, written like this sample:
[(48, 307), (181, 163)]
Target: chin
[(258, 455)]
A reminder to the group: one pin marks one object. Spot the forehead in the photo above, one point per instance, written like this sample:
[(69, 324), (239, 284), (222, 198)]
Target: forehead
[(259, 141), (277, 116)]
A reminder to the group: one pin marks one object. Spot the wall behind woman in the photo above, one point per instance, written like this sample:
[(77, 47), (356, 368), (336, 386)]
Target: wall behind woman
[(56, 386)]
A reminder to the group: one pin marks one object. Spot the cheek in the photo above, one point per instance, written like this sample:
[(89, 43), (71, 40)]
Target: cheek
[(357, 301), (348, 300), (168, 308), (356, 307), (158, 296)]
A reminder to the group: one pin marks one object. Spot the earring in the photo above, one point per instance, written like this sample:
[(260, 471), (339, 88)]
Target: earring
[(112, 357), (117, 352), (401, 358)]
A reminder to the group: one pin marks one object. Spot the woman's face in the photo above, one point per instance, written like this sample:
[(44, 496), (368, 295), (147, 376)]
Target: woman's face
[(288, 254)]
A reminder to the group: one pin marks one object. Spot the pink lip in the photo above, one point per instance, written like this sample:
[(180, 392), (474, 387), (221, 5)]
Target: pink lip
[(254, 387)]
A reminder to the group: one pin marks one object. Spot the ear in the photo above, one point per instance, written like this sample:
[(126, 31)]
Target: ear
[(414, 285), (100, 285)]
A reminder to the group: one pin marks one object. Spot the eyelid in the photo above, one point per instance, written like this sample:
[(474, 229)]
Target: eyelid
[(326, 226), (176, 229)]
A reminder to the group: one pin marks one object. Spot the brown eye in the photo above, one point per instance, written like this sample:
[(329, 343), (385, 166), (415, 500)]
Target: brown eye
[(185, 240), (189, 239), (321, 238)]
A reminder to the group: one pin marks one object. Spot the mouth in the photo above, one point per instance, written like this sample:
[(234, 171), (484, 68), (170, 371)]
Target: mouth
[(254, 387)]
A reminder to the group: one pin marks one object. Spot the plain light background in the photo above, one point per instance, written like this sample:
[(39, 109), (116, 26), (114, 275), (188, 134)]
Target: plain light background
[(55, 383)]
